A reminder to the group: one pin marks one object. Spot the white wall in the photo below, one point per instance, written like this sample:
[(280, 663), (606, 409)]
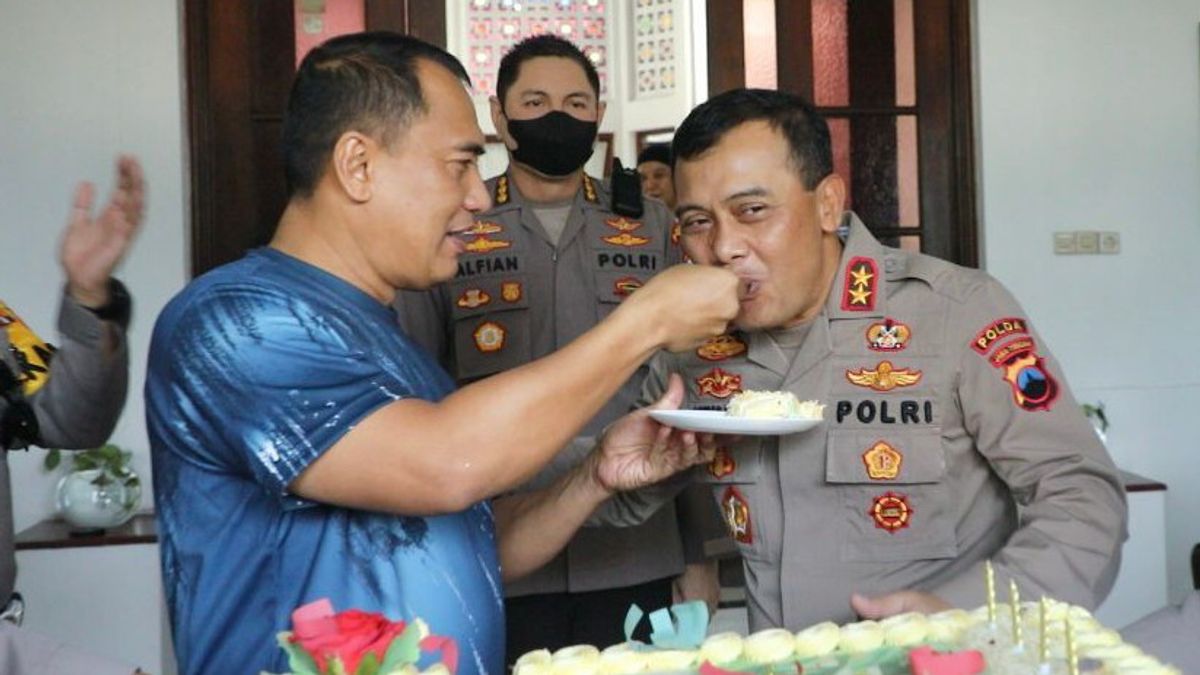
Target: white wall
[(81, 81), (1089, 117)]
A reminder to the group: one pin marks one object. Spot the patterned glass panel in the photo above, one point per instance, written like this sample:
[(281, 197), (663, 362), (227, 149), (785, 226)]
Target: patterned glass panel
[(831, 55), (837, 47), (876, 155), (653, 45), (906, 73), (758, 36), (316, 22), (494, 26)]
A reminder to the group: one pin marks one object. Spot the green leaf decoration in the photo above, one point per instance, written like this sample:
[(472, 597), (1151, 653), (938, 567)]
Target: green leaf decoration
[(369, 665), (404, 649), (299, 662), (336, 667), (52, 460)]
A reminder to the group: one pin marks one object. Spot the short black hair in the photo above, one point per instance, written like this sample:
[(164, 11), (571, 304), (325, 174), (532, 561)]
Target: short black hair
[(364, 81), (542, 45), (656, 152), (806, 131)]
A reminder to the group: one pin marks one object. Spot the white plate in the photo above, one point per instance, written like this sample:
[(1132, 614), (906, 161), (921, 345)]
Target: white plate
[(717, 422)]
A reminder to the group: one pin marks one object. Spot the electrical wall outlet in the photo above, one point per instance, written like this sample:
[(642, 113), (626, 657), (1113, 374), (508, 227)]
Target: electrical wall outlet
[(1087, 241), (1064, 243), (1110, 242)]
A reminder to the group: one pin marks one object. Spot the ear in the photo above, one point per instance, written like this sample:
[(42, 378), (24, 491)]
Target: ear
[(601, 106), (500, 122), (831, 200), (352, 157)]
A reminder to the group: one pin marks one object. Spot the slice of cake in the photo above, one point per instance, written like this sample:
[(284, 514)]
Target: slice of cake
[(770, 404)]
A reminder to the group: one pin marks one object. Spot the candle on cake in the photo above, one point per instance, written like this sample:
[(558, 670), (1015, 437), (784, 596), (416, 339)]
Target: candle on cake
[(990, 575)]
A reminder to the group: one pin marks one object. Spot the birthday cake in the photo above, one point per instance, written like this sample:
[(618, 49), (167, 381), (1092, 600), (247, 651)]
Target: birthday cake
[(1047, 637), (767, 404)]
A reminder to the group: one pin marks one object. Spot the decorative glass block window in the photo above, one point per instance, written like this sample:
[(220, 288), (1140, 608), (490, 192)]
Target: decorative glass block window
[(654, 48), (494, 26)]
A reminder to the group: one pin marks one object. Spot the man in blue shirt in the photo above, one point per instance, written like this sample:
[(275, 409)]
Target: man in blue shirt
[(303, 448)]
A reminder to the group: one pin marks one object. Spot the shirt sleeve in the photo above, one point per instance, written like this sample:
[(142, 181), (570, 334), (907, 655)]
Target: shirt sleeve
[(86, 387), (263, 383), (1024, 421)]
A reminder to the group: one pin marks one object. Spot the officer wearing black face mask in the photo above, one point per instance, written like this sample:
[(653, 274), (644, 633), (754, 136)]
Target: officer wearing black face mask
[(545, 264)]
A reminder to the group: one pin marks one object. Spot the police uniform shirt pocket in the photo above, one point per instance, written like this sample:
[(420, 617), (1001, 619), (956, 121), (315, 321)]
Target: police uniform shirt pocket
[(894, 497), (491, 325)]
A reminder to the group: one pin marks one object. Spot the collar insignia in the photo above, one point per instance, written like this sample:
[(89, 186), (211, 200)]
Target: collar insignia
[(501, 196), (862, 279)]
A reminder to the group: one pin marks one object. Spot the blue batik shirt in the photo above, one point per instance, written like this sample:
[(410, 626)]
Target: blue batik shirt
[(256, 369)]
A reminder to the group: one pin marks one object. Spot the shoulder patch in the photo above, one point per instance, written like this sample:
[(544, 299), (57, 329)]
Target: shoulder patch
[(1033, 387), (987, 338)]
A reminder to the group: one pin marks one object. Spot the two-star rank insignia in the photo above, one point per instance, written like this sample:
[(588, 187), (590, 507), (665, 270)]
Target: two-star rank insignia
[(884, 377), (589, 190), (891, 512), (862, 279), (502, 191), (510, 291), (736, 510), (883, 461), (625, 227), (719, 383), (472, 298), (720, 348), (888, 335), (489, 337), (722, 464)]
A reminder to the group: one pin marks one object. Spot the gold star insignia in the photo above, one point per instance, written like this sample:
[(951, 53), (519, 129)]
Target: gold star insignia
[(859, 296), (862, 275)]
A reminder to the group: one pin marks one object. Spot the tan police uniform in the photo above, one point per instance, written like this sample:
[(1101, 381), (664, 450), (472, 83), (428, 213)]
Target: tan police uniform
[(518, 297), (950, 437)]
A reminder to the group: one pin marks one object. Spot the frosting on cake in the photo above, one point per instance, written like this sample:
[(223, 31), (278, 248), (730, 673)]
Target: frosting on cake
[(884, 647), (772, 404)]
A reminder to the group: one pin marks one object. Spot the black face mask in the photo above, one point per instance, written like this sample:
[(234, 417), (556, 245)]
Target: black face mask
[(555, 144)]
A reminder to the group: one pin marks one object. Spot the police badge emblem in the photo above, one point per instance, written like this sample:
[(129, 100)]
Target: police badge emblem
[(489, 337), (888, 336), (737, 515), (510, 291), (891, 512)]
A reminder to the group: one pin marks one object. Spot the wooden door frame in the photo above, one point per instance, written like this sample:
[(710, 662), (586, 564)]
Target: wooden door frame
[(239, 66)]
